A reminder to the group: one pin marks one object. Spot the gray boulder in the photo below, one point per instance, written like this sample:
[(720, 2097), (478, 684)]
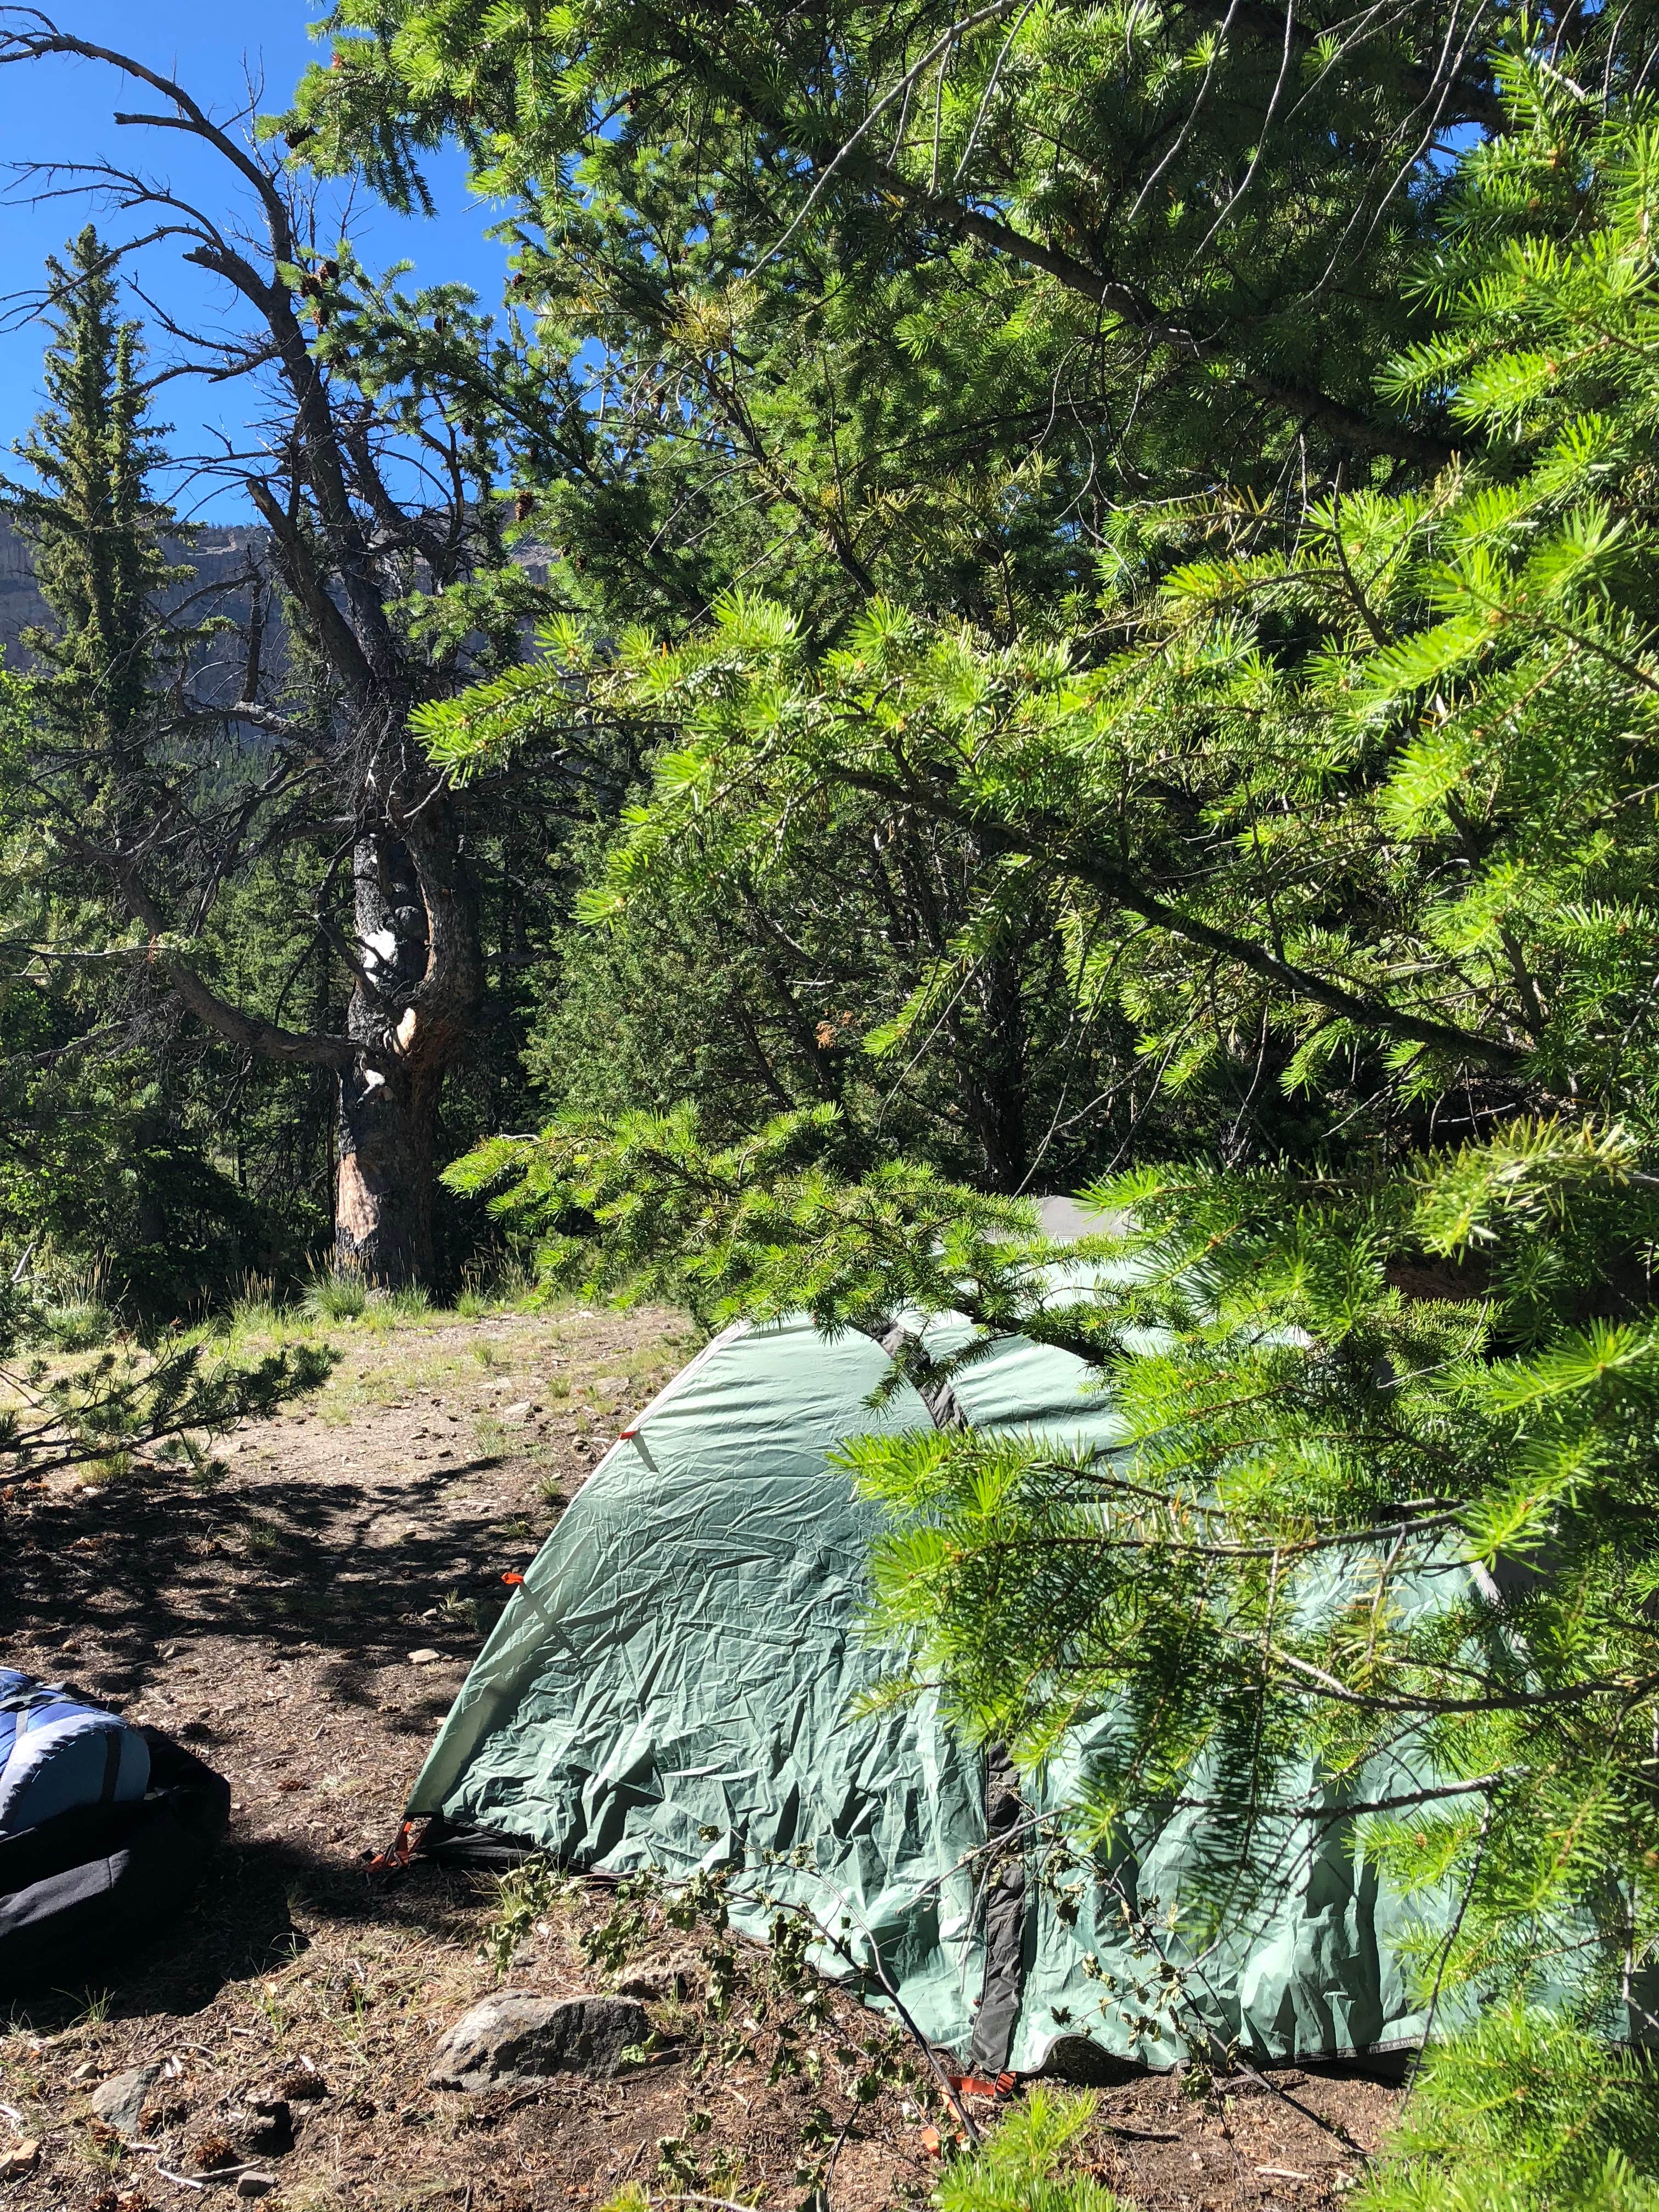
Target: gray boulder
[(120, 2102), (509, 2042)]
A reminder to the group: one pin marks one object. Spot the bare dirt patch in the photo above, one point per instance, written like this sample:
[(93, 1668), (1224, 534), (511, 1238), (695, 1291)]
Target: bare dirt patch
[(270, 1622)]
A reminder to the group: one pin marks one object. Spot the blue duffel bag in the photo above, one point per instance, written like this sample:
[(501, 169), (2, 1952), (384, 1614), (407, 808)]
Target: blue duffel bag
[(57, 1755), (105, 1831)]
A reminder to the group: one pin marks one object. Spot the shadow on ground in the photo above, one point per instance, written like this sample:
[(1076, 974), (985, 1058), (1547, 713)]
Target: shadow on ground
[(293, 1563), (259, 1909)]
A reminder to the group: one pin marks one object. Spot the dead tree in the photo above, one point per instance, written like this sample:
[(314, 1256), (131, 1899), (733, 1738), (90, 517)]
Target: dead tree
[(372, 494)]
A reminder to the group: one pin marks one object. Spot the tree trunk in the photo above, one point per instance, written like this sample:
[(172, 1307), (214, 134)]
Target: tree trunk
[(997, 1076), (413, 1011), (383, 1206)]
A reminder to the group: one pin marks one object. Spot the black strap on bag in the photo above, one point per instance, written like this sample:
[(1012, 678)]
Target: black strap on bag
[(79, 1891), (29, 1700)]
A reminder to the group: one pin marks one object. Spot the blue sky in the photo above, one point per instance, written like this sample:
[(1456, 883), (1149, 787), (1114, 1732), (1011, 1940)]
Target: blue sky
[(63, 110)]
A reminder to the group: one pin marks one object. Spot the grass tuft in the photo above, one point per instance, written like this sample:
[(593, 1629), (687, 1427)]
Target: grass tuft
[(254, 1311), (522, 1896), (336, 1297)]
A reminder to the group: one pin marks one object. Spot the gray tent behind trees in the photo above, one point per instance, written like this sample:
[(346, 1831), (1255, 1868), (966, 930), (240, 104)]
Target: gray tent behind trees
[(673, 1687)]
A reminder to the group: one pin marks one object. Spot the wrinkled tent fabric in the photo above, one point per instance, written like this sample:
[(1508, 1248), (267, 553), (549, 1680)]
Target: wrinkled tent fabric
[(674, 1686), (676, 1668)]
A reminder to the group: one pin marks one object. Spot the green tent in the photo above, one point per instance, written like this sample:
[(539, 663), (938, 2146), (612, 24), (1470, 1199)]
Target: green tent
[(672, 1687)]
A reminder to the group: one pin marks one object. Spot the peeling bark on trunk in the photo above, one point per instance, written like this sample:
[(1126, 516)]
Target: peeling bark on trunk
[(414, 1013)]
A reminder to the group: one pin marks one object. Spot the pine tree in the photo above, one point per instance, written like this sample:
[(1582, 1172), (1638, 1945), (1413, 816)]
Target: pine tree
[(1371, 809), (834, 306), (381, 545), (98, 1151), (95, 529), (97, 537)]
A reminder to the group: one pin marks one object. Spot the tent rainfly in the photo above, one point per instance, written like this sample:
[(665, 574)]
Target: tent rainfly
[(674, 1684)]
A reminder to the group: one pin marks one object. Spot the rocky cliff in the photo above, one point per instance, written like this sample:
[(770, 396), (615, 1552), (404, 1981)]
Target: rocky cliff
[(218, 555)]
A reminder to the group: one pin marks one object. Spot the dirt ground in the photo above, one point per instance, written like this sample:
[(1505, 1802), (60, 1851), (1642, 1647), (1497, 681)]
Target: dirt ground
[(305, 1625)]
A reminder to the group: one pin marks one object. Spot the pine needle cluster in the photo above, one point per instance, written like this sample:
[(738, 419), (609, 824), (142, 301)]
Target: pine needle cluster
[(1372, 804)]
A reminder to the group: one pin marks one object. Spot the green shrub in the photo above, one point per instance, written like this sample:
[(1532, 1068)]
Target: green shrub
[(61, 1306), (1017, 2170), (523, 1894), (74, 1324), (1525, 2112)]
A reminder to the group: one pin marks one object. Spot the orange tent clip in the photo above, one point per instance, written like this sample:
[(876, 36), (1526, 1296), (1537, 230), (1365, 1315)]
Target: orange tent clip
[(396, 1853), (974, 2085)]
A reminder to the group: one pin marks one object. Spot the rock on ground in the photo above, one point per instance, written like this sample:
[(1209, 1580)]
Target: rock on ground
[(508, 2041), (119, 2101)]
